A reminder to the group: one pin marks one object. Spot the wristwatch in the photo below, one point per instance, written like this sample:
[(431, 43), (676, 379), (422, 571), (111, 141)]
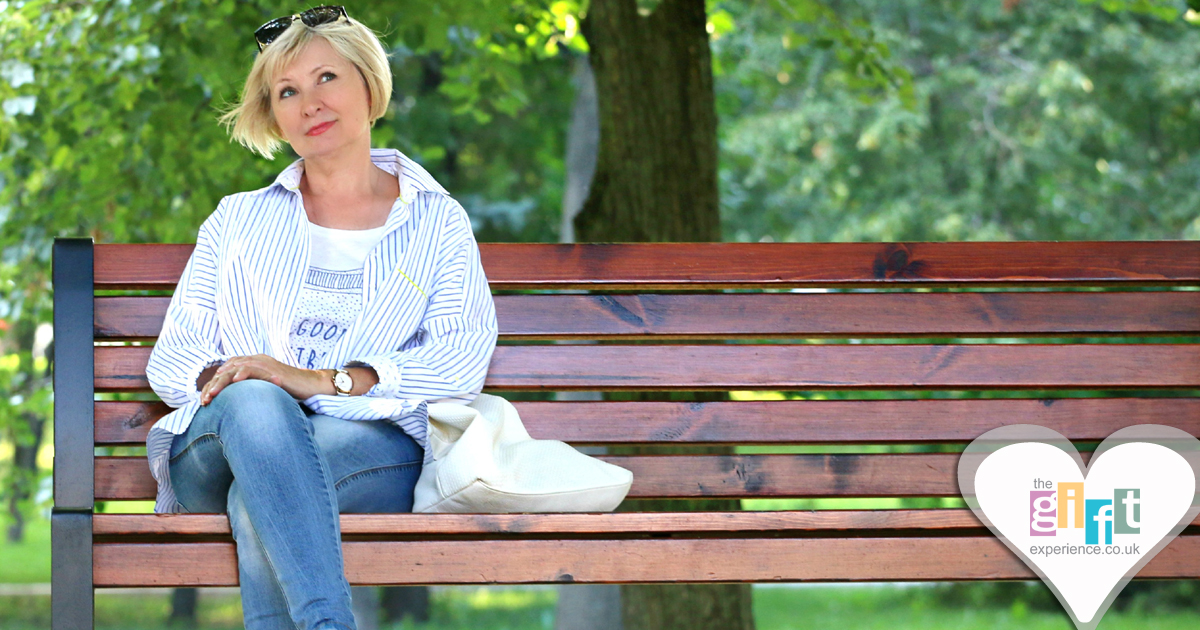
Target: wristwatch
[(342, 382)]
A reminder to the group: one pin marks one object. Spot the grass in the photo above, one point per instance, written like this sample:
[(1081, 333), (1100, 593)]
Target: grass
[(27, 562), (894, 607), (473, 609), (890, 607)]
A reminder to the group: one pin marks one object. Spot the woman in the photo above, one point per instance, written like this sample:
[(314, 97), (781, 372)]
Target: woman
[(347, 292)]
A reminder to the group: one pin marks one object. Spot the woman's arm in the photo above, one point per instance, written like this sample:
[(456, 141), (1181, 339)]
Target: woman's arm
[(189, 342), (300, 383), (450, 354)]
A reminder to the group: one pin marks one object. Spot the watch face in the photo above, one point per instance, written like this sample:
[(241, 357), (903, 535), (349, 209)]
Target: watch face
[(342, 381)]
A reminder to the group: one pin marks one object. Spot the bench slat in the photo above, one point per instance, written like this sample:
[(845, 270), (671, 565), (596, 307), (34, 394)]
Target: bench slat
[(794, 367), (565, 523), (621, 561), (777, 421), (690, 476), (634, 523), (714, 265), (785, 315)]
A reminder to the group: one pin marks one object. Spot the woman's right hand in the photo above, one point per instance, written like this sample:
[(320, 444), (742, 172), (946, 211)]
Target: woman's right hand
[(300, 383)]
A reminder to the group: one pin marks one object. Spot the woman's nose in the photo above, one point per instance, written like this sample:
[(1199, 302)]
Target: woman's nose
[(311, 105)]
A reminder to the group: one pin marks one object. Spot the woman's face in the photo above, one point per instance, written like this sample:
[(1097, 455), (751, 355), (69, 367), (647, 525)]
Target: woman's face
[(320, 101)]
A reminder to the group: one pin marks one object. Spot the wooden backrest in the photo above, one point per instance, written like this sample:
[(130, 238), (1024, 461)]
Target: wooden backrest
[(922, 322)]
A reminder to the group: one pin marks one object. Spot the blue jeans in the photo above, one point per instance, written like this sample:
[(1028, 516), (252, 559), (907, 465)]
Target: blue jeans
[(283, 474)]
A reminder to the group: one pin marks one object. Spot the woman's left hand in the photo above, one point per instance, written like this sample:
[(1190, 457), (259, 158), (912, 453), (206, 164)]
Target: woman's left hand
[(300, 383)]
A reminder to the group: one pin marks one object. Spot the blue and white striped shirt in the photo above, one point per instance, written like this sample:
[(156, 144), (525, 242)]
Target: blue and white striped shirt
[(427, 325)]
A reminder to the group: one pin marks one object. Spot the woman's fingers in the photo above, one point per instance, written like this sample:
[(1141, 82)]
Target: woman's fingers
[(239, 369), (214, 386)]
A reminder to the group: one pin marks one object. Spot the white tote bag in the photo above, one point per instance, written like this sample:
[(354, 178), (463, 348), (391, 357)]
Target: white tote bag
[(485, 462)]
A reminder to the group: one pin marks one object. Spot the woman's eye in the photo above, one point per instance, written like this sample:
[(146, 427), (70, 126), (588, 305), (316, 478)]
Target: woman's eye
[(287, 91)]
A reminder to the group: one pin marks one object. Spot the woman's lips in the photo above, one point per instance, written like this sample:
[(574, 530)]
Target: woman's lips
[(320, 129)]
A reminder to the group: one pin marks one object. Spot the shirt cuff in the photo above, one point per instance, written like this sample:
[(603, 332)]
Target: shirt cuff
[(388, 372), (193, 376)]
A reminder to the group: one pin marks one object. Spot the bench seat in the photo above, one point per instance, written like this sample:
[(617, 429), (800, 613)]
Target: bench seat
[(896, 356)]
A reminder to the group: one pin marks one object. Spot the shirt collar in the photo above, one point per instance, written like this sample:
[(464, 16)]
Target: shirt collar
[(412, 177)]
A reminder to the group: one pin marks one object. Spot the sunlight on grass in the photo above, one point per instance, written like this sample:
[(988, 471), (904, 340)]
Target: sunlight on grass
[(815, 607), (27, 562), (886, 503), (897, 607), (502, 599)]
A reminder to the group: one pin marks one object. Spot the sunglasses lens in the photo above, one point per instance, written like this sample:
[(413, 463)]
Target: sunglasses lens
[(322, 15), (271, 30)]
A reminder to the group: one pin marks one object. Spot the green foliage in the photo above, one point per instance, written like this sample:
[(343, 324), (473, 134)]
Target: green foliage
[(1161, 9), (849, 120), (108, 127), (867, 66), (1055, 120), (21, 398)]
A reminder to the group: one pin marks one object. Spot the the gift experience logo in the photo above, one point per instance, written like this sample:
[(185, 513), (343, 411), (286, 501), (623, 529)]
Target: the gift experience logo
[(1063, 506)]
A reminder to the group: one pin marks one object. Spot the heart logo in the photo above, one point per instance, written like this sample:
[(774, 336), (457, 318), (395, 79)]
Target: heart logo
[(1085, 530)]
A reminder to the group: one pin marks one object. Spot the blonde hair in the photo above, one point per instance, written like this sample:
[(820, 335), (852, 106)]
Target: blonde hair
[(253, 124)]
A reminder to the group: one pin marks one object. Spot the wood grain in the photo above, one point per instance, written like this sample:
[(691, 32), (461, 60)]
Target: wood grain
[(794, 367), (626, 523), (785, 315), (686, 476), (718, 265), (622, 561), (835, 522), (779, 421)]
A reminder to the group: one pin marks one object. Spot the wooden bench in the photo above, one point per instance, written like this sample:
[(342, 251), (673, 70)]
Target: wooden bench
[(1115, 317)]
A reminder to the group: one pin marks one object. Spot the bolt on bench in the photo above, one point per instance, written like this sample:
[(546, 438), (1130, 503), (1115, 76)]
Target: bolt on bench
[(1115, 318)]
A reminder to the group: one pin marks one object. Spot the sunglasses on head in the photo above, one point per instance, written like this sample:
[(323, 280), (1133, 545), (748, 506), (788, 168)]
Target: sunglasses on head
[(312, 17)]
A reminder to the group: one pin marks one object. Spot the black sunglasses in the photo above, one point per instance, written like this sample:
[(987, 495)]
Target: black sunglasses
[(312, 17)]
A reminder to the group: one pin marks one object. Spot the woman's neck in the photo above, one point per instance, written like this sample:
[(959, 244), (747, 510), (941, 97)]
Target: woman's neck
[(347, 192)]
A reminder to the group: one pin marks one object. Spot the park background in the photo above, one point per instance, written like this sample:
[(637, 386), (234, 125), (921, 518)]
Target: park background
[(834, 120)]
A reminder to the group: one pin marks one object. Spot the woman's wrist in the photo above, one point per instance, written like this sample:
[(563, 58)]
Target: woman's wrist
[(324, 383), (364, 378)]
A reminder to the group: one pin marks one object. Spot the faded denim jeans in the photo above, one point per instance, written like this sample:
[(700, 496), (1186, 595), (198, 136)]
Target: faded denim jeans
[(283, 474)]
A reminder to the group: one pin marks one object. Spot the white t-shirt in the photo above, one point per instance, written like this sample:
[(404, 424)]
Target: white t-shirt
[(331, 298)]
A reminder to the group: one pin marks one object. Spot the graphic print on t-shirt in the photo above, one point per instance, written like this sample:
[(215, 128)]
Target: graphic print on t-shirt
[(329, 304)]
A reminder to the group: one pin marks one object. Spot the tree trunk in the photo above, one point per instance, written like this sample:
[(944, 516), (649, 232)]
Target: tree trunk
[(27, 440), (684, 606), (364, 602), (656, 174), (656, 180), (583, 141), (583, 606), (183, 607), (399, 602)]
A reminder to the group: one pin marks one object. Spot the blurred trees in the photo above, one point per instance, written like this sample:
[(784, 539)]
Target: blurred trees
[(839, 120), (656, 180), (107, 129), (1051, 120)]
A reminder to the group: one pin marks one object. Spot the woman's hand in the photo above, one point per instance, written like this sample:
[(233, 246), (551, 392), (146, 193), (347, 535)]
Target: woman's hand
[(300, 383)]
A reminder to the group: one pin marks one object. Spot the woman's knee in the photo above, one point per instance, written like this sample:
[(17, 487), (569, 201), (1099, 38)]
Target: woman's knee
[(254, 390), (256, 409)]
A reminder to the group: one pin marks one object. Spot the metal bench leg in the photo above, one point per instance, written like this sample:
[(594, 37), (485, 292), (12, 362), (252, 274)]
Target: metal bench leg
[(71, 594)]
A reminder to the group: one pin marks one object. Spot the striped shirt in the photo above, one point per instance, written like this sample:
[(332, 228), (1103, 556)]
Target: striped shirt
[(427, 324)]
